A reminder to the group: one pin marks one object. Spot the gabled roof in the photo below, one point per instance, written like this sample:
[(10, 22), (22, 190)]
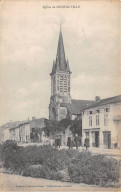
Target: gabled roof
[(16, 125), (61, 64), (24, 123), (12, 124), (77, 106), (111, 100)]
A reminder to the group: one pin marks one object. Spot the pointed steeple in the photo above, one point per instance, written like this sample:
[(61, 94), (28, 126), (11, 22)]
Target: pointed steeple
[(61, 53), (61, 64), (68, 69), (53, 68)]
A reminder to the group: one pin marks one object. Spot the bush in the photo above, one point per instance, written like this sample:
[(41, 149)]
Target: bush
[(61, 175), (37, 171), (64, 165), (60, 159), (13, 156), (93, 169), (1, 152), (19, 158)]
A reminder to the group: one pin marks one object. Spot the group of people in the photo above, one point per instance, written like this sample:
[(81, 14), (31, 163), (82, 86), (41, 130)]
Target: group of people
[(77, 141), (57, 143), (71, 142)]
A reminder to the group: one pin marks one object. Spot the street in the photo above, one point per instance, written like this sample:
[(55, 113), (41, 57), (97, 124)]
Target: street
[(20, 183)]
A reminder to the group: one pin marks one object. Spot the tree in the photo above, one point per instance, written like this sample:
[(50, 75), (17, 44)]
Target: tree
[(65, 123), (76, 126), (53, 126), (50, 127), (34, 133)]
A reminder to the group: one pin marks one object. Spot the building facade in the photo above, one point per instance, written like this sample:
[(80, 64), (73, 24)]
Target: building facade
[(14, 134), (101, 123), (24, 132), (1, 135), (6, 134), (20, 131), (61, 105)]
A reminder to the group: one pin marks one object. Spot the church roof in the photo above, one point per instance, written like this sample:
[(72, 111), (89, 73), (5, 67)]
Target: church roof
[(77, 106), (61, 64), (111, 100)]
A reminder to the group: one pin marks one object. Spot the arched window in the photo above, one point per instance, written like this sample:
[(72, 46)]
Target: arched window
[(65, 83), (61, 83), (61, 78)]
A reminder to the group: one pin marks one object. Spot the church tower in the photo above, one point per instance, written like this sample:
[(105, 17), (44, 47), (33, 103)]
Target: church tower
[(60, 84)]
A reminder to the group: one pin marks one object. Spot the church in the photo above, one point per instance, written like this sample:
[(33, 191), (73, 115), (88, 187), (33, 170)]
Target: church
[(61, 104)]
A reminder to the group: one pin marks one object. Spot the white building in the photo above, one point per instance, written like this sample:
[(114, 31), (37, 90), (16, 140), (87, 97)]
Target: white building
[(24, 132), (101, 123), (14, 133), (6, 133)]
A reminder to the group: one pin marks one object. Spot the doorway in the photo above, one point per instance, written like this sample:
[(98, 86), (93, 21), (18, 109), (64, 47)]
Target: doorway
[(107, 140), (97, 139)]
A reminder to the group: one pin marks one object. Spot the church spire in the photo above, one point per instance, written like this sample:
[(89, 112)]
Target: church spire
[(61, 64), (61, 52)]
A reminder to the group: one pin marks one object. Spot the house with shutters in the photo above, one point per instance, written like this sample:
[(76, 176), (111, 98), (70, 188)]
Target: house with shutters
[(101, 123)]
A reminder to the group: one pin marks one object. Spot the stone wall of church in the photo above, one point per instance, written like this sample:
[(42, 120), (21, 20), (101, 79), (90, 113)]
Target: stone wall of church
[(62, 113)]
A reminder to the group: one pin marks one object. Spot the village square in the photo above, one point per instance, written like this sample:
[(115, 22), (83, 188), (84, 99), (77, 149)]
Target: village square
[(61, 123), (72, 123)]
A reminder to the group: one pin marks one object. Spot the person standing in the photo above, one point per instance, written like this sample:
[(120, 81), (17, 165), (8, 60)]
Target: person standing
[(59, 142), (76, 141), (38, 137), (72, 143), (69, 142), (86, 143)]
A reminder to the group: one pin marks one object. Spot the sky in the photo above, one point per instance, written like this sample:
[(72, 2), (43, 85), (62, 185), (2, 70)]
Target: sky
[(29, 36)]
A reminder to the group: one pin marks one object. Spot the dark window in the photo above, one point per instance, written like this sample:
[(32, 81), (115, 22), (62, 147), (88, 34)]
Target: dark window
[(97, 120), (107, 109), (97, 111), (90, 120)]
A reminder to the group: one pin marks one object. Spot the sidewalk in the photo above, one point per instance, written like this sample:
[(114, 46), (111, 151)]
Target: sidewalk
[(116, 153), (18, 183)]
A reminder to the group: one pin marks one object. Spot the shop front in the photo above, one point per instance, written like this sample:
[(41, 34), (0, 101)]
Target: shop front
[(93, 135)]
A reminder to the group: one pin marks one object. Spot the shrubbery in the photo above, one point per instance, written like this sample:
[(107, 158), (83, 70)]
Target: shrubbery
[(1, 151), (65, 165), (93, 169), (37, 171)]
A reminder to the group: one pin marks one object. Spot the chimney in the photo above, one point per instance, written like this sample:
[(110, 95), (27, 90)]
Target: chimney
[(33, 118), (97, 98)]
